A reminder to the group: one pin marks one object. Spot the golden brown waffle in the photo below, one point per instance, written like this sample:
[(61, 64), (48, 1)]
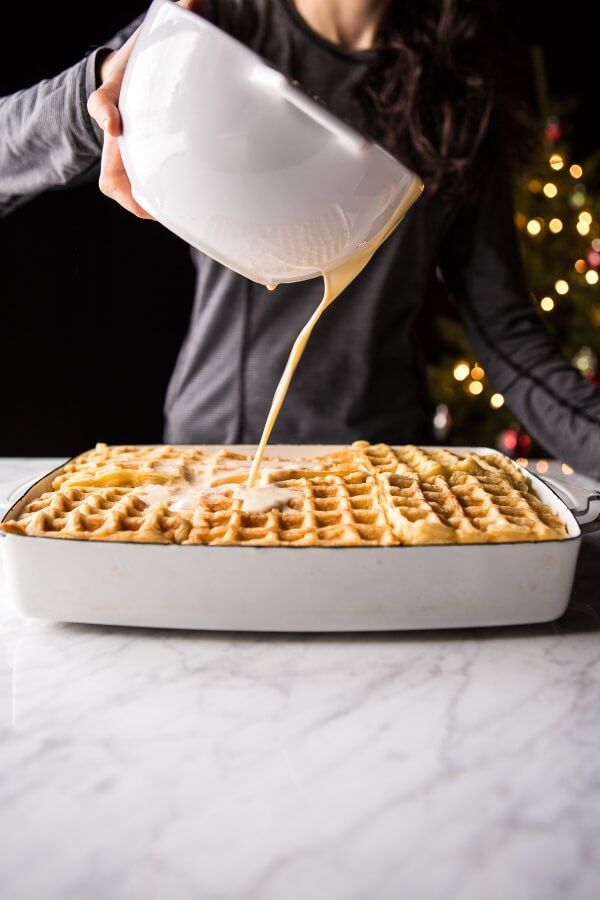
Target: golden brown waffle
[(363, 495)]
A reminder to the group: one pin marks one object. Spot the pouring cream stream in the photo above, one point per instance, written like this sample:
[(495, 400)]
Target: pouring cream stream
[(335, 282)]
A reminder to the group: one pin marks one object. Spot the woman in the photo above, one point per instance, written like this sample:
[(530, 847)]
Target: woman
[(423, 79)]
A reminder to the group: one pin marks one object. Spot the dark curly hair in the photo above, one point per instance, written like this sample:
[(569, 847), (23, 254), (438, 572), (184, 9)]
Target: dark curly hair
[(443, 91)]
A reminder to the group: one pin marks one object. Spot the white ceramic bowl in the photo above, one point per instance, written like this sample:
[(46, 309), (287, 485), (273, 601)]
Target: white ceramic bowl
[(231, 156)]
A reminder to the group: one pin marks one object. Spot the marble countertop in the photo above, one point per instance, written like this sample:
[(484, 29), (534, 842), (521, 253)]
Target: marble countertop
[(170, 765)]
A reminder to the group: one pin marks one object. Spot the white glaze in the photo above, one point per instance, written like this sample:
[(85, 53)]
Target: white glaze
[(184, 496), (262, 498)]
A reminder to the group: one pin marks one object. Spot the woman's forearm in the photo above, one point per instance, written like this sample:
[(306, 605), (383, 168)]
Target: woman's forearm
[(47, 138), (482, 266)]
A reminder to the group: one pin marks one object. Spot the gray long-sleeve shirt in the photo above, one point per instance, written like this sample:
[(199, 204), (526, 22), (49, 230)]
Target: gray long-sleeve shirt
[(362, 374)]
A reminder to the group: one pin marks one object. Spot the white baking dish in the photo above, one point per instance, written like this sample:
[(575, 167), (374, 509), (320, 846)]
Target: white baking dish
[(291, 588)]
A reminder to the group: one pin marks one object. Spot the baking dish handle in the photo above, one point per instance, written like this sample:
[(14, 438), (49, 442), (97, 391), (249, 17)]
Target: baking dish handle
[(10, 491), (580, 500)]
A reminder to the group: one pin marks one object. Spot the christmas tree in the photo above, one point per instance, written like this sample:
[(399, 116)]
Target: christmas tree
[(557, 220)]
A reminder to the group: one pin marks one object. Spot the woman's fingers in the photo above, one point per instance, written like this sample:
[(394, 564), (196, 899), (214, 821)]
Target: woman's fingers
[(114, 182), (102, 107), (196, 6)]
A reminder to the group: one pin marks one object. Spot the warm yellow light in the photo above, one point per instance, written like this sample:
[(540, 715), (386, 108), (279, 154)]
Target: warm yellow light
[(583, 228), (523, 461), (576, 171), (547, 304), (475, 387), (520, 220), (561, 287), (556, 161), (582, 359), (591, 276), (533, 226), (535, 186), (586, 216), (541, 465), (567, 469), (550, 190), (555, 226), (477, 373), (496, 401), (461, 370), (580, 266)]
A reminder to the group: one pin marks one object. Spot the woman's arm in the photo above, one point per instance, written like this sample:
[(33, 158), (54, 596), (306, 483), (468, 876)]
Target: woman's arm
[(47, 136), (482, 266)]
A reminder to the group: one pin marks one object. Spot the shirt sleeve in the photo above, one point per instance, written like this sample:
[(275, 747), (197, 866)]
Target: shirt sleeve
[(481, 264), (48, 138)]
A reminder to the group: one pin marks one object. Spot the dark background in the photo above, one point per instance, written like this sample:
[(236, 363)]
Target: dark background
[(95, 302)]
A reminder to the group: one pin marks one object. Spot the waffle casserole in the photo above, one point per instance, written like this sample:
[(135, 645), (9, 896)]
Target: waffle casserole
[(362, 495)]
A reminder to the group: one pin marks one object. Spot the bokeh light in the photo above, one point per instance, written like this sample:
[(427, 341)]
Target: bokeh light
[(461, 370)]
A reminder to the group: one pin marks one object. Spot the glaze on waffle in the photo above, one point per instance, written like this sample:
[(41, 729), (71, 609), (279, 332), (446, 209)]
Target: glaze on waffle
[(362, 495)]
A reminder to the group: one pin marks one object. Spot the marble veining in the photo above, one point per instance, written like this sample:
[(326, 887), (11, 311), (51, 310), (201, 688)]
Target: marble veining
[(173, 765)]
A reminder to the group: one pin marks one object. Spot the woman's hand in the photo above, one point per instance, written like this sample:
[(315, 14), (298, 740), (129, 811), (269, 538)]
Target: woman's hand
[(103, 107)]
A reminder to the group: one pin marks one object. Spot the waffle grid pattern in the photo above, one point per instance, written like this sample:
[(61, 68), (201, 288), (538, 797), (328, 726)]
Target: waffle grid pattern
[(363, 495)]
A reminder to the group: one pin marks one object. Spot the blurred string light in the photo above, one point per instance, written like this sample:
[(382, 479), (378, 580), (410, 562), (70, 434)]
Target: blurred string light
[(442, 421), (461, 370), (572, 207), (583, 228), (542, 466), (523, 461), (585, 360), (567, 470)]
